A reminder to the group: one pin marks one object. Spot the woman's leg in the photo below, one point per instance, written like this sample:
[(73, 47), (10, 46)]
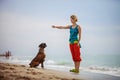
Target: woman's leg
[(75, 51), (77, 58), (77, 65)]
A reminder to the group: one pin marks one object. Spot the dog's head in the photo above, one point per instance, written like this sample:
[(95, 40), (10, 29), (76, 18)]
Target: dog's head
[(42, 45)]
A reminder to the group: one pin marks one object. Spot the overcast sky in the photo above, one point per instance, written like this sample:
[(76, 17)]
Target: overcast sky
[(24, 24)]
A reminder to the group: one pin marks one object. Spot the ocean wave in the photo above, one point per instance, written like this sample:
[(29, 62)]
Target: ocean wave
[(115, 71), (50, 62), (16, 60)]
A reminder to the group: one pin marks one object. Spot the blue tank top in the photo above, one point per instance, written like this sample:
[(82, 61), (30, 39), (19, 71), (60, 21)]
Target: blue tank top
[(73, 34)]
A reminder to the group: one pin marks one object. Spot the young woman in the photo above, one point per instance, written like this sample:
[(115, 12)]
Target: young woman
[(75, 37)]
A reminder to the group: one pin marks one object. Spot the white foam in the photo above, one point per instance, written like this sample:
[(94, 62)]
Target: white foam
[(50, 62), (103, 70)]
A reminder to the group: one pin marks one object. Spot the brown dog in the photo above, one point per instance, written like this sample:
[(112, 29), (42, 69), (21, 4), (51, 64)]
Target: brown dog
[(40, 57)]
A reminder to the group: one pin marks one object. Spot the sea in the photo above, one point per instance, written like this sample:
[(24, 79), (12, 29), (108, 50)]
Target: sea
[(100, 63)]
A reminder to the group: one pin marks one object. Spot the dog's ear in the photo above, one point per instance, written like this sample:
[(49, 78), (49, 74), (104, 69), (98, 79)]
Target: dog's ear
[(45, 45), (39, 45)]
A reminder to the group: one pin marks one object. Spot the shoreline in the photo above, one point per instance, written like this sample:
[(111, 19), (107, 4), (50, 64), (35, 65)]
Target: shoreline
[(11, 71)]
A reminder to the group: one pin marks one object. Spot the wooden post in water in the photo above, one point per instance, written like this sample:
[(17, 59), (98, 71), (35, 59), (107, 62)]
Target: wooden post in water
[(6, 54)]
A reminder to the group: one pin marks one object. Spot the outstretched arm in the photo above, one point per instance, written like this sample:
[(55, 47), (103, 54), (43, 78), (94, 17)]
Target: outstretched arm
[(61, 27)]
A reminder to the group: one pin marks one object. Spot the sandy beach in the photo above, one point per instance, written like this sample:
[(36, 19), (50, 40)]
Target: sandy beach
[(10, 71), (20, 72)]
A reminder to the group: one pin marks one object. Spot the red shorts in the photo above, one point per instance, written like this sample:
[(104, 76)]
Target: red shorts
[(75, 51)]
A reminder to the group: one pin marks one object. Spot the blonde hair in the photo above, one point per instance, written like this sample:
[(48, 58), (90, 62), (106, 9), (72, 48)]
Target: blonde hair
[(74, 17)]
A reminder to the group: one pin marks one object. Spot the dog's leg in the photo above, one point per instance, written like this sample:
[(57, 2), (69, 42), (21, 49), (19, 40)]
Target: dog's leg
[(42, 65)]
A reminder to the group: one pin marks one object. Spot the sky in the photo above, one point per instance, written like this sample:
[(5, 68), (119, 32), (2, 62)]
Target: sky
[(24, 24)]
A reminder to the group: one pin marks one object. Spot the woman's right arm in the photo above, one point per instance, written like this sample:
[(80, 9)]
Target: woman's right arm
[(61, 27)]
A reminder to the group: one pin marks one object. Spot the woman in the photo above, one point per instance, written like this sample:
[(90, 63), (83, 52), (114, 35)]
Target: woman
[(75, 37)]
